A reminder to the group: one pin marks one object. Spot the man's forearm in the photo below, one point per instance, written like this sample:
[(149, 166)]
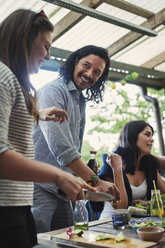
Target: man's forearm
[(80, 169)]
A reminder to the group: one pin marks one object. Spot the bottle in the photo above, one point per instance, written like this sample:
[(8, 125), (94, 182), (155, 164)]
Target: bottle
[(92, 162), (156, 204), (80, 215)]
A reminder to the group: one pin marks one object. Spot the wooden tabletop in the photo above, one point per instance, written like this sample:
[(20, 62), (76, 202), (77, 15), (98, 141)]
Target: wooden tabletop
[(100, 226)]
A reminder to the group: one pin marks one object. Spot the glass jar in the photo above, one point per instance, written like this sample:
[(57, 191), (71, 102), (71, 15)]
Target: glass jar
[(80, 215), (156, 204), (118, 219)]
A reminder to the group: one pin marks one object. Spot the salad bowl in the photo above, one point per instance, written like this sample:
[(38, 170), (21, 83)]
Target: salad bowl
[(150, 233), (147, 222)]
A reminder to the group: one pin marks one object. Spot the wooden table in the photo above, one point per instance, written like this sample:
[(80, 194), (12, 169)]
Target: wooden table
[(102, 226)]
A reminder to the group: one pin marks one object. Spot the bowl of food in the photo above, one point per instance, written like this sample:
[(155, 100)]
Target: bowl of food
[(150, 233), (147, 222)]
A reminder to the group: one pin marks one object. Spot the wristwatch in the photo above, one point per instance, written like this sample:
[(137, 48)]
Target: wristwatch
[(93, 180)]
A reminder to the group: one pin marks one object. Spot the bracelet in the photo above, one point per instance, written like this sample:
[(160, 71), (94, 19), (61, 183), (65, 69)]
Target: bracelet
[(93, 180)]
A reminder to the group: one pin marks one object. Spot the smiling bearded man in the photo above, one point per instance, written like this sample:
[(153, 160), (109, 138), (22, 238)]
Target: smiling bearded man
[(60, 144)]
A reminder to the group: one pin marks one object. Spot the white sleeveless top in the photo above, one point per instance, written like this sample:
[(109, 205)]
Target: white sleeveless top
[(137, 193), (140, 191)]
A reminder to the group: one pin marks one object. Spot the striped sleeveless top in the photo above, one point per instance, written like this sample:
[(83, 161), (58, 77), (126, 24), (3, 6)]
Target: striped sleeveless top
[(15, 134)]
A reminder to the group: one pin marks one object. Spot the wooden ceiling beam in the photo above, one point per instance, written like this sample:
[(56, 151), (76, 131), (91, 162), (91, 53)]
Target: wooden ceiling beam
[(145, 72), (88, 11), (157, 60), (140, 81), (118, 71), (124, 5), (72, 18), (114, 65), (152, 23)]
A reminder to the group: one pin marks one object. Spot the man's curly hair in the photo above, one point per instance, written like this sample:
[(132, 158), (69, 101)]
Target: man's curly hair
[(95, 92)]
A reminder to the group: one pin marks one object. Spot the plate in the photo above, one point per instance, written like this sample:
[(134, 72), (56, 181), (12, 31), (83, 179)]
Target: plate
[(140, 220)]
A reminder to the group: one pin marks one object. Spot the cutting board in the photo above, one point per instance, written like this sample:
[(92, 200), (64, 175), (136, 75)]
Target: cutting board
[(88, 240)]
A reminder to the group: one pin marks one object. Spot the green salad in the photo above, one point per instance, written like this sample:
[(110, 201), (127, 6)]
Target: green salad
[(150, 223), (147, 208)]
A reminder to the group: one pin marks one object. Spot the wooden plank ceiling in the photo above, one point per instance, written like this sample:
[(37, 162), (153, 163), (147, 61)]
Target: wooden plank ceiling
[(95, 22), (150, 77)]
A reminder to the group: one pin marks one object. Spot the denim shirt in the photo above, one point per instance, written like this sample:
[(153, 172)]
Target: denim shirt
[(55, 143)]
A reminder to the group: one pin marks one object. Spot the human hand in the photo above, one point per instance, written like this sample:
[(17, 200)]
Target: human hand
[(115, 161), (72, 187), (107, 187), (53, 114)]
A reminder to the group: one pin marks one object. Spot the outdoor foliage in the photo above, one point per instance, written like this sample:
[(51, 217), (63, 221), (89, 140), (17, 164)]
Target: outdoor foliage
[(120, 108)]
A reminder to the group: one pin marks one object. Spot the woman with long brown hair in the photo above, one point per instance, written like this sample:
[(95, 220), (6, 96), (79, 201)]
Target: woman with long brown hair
[(25, 40)]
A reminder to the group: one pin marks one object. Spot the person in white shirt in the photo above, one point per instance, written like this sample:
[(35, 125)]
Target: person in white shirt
[(132, 167)]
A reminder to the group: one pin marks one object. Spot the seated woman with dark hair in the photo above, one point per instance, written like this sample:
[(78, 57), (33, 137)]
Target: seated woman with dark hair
[(132, 167)]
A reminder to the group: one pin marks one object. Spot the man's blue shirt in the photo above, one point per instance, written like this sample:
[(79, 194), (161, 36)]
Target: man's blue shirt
[(55, 143)]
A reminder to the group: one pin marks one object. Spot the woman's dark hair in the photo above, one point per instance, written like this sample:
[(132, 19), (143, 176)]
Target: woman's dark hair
[(127, 147), (95, 92), (17, 35)]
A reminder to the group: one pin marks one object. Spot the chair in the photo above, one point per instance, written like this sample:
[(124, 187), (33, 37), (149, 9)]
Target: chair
[(92, 216)]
